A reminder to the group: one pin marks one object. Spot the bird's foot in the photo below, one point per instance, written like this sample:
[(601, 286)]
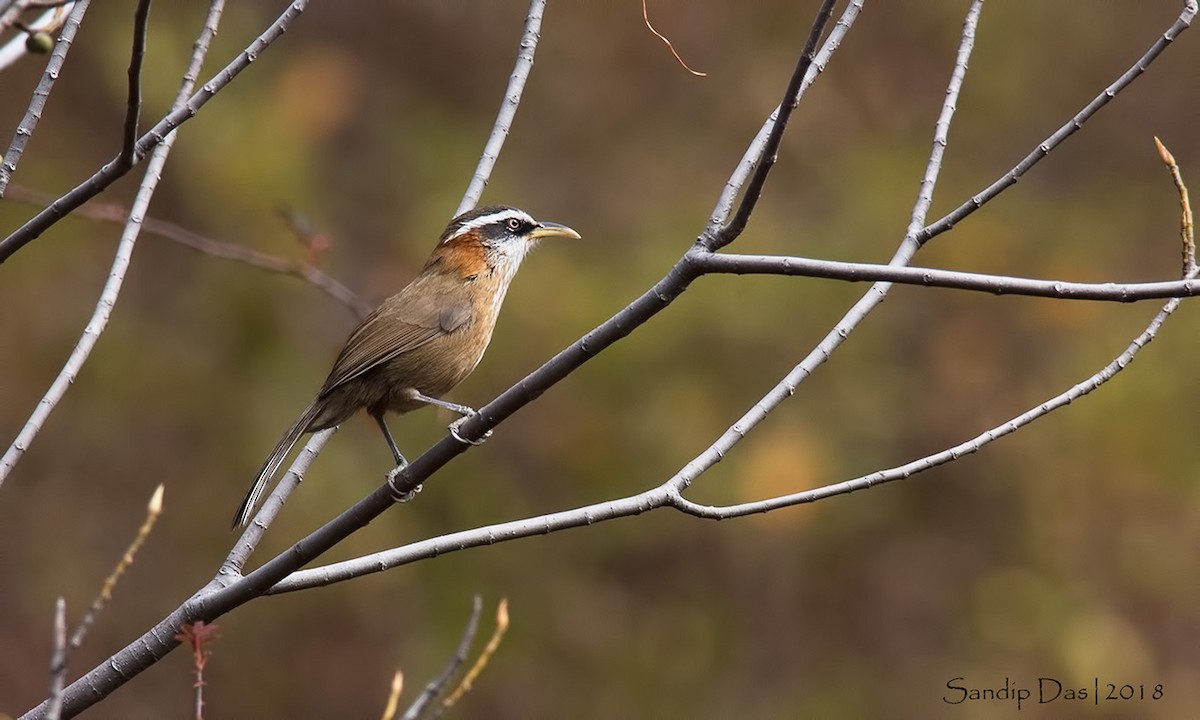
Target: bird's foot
[(454, 426), (396, 493)]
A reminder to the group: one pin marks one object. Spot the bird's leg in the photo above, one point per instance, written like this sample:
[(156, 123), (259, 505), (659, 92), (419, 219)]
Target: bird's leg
[(387, 435), (401, 463), (463, 410)]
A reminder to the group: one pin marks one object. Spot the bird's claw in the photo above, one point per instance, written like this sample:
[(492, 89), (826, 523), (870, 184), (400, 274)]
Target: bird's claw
[(454, 426), (396, 493)]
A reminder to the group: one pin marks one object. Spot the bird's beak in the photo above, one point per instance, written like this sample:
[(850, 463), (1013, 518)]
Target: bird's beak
[(552, 229)]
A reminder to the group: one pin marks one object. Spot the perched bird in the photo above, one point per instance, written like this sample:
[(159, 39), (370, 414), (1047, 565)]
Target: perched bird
[(424, 340)]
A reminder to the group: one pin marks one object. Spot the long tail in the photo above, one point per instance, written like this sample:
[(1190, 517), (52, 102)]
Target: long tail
[(274, 460)]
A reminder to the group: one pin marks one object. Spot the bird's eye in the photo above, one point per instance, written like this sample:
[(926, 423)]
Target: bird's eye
[(513, 224)]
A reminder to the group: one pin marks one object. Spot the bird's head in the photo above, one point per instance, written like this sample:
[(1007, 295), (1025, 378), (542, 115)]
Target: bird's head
[(492, 238)]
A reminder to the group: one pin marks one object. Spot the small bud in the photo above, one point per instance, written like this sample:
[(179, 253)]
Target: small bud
[(39, 43)]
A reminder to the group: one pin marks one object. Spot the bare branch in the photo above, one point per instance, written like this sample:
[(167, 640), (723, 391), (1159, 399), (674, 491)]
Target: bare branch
[(36, 104), (729, 232), (1183, 22), (393, 701), (749, 160), (280, 574), (252, 535), (134, 99), (158, 134), (930, 461), (111, 212), (58, 661), (1186, 221), (116, 276), (481, 662), (508, 107), (435, 686), (933, 277), (841, 331), (153, 510)]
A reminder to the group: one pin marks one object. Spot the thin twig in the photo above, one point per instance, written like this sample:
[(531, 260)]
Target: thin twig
[(112, 170), (393, 701), (111, 212), (133, 109), (660, 36), (508, 107), (729, 232), (481, 662), (116, 276), (1186, 221), (435, 686), (153, 510), (1183, 22), (786, 387), (753, 152), (58, 660), (1108, 372), (38, 102)]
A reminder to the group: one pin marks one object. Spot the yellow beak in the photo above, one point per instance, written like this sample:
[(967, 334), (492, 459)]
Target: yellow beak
[(552, 229)]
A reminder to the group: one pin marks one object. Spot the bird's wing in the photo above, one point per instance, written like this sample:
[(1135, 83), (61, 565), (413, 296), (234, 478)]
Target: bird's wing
[(396, 327)]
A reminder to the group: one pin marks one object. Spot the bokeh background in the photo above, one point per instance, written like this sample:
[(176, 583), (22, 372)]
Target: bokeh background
[(1066, 551)]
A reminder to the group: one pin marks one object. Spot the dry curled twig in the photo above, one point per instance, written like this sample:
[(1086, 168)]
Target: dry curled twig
[(660, 36)]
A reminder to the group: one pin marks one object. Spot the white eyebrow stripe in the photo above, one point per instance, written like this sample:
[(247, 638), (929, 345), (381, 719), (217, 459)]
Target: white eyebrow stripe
[(489, 219)]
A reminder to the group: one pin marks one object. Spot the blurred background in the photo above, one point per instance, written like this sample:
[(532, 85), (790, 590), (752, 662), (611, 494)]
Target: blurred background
[(1065, 551)]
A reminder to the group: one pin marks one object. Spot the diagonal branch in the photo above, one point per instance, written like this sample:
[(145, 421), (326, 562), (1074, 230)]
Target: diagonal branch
[(435, 686), (111, 212), (1183, 22), (120, 264), (729, 232), (749, 161), (875, 295), (901, 472), (25, 128), (227, 591), (134, 98), (508, 107), (113, 170)]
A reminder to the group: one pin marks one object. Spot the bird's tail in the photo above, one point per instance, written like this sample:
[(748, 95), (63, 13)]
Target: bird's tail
[(274, 460)]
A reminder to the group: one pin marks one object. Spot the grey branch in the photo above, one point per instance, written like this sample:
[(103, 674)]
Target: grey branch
[(40, 94), (669, 494), (435, 686), (133, 105), (1183, 22), (933, 277), (116, 275), (212, 247), (58, 661), (508, 107), (282, 573), (765, 160), (950, 454), (749, 161), (113, 170)]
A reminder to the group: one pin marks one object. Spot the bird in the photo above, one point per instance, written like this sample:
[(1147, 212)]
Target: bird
[(424, 340)]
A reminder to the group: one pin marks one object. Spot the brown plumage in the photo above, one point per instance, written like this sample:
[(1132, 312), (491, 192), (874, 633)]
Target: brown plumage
[(426, 339)]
